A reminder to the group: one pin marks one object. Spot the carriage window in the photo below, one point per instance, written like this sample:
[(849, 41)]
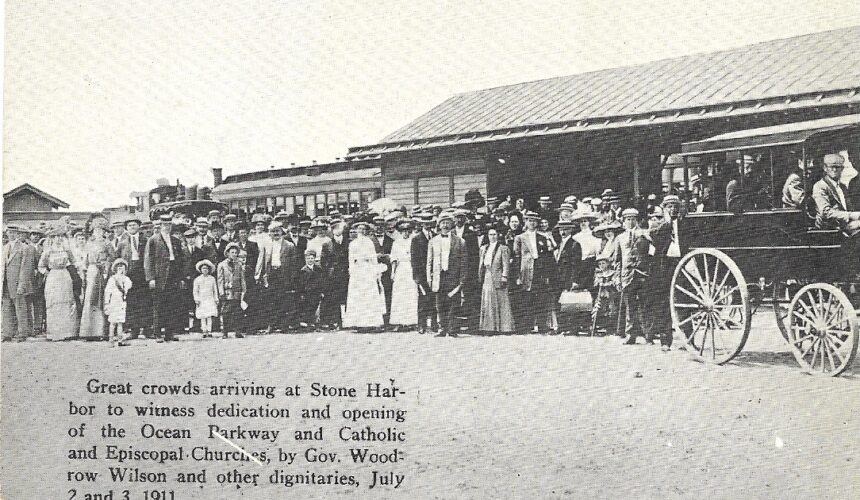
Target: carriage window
[(736, 181)]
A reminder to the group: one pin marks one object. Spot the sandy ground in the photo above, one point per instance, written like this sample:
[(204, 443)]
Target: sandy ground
[(500, 417)]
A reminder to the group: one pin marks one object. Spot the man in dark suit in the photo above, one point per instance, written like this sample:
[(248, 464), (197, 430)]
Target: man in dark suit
[(163, 267), (19, 283), (132, 248), (277, 275), (668, 250), (338, 282), (252, 316), (383, 244), (419, 245), (294, 236), (446, 273), (568, 258), (471, 309)]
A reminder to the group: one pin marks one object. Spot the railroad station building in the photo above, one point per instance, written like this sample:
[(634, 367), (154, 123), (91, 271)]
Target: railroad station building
[(617, 128)]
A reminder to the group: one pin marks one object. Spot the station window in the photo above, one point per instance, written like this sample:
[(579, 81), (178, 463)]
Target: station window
[(320, 203), (331, 202), (354, 202), (300, 206), (279, 203), (310, 206), (290, 204), (343, 203), (367, 197)]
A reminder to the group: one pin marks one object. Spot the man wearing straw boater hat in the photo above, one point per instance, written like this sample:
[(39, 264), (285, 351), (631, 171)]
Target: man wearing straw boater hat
[(277, 274), (446, 273), (533, 252), (668, 250), (132, 246), (163, 268), (419, 245)]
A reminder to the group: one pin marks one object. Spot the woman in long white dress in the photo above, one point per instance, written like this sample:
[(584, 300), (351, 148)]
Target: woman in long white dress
[(97, 259), (404, 291), (365, 301)]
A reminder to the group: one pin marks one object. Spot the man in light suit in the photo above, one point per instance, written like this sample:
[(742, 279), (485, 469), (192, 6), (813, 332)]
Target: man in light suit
[(19, 282), (132, 248), (534, 254), (834, 209), (419, 245), (446, 273), (277, 278), (831, 198), (163, 267)]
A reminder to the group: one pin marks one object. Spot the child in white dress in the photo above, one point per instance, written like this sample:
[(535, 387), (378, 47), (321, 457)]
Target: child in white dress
[(114, 301), (205, 296)]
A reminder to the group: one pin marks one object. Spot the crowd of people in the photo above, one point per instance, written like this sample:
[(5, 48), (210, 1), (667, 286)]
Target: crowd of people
[(478, 267)]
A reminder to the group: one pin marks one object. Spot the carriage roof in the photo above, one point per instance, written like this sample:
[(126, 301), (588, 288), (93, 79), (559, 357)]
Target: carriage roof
[(776, 135)]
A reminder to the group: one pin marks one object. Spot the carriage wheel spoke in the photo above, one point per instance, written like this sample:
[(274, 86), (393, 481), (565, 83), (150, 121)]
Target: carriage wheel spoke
[(691, 317), (802, 339), (707, 280), (811, 314), (724, 295), (835, 338), (806, 319), (829, 354), (707, 322), (838, 354), (688, 306), (811, 345), (828, 317), (694, 282), (690, 294), (716, 274)]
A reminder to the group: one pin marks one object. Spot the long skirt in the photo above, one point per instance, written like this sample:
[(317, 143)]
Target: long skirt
[(365, 300), (404, 297), (93, 318), (496, 315), (60, 308)]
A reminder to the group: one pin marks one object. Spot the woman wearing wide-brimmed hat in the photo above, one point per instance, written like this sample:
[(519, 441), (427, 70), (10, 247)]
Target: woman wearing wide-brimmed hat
[(98, 256), (60, 305), (404, 291)]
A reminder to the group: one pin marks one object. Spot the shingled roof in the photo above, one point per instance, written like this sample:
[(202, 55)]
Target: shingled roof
[(816, 69)]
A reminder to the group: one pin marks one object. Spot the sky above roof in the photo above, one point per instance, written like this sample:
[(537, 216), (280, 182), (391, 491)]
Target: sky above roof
[(102, 98)]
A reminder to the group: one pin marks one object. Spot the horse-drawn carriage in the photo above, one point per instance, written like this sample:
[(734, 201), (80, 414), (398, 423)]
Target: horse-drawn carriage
[(766, 250)]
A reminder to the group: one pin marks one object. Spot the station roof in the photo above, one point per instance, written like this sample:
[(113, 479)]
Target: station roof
[(53, 200), (777, 135), (811, 70)]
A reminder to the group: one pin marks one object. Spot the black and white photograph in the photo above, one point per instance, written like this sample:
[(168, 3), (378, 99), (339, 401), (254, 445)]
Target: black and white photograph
[(430, 250)]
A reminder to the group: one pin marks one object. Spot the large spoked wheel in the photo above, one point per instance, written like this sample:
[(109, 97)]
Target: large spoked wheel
[(710, 305), (822, 329)]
